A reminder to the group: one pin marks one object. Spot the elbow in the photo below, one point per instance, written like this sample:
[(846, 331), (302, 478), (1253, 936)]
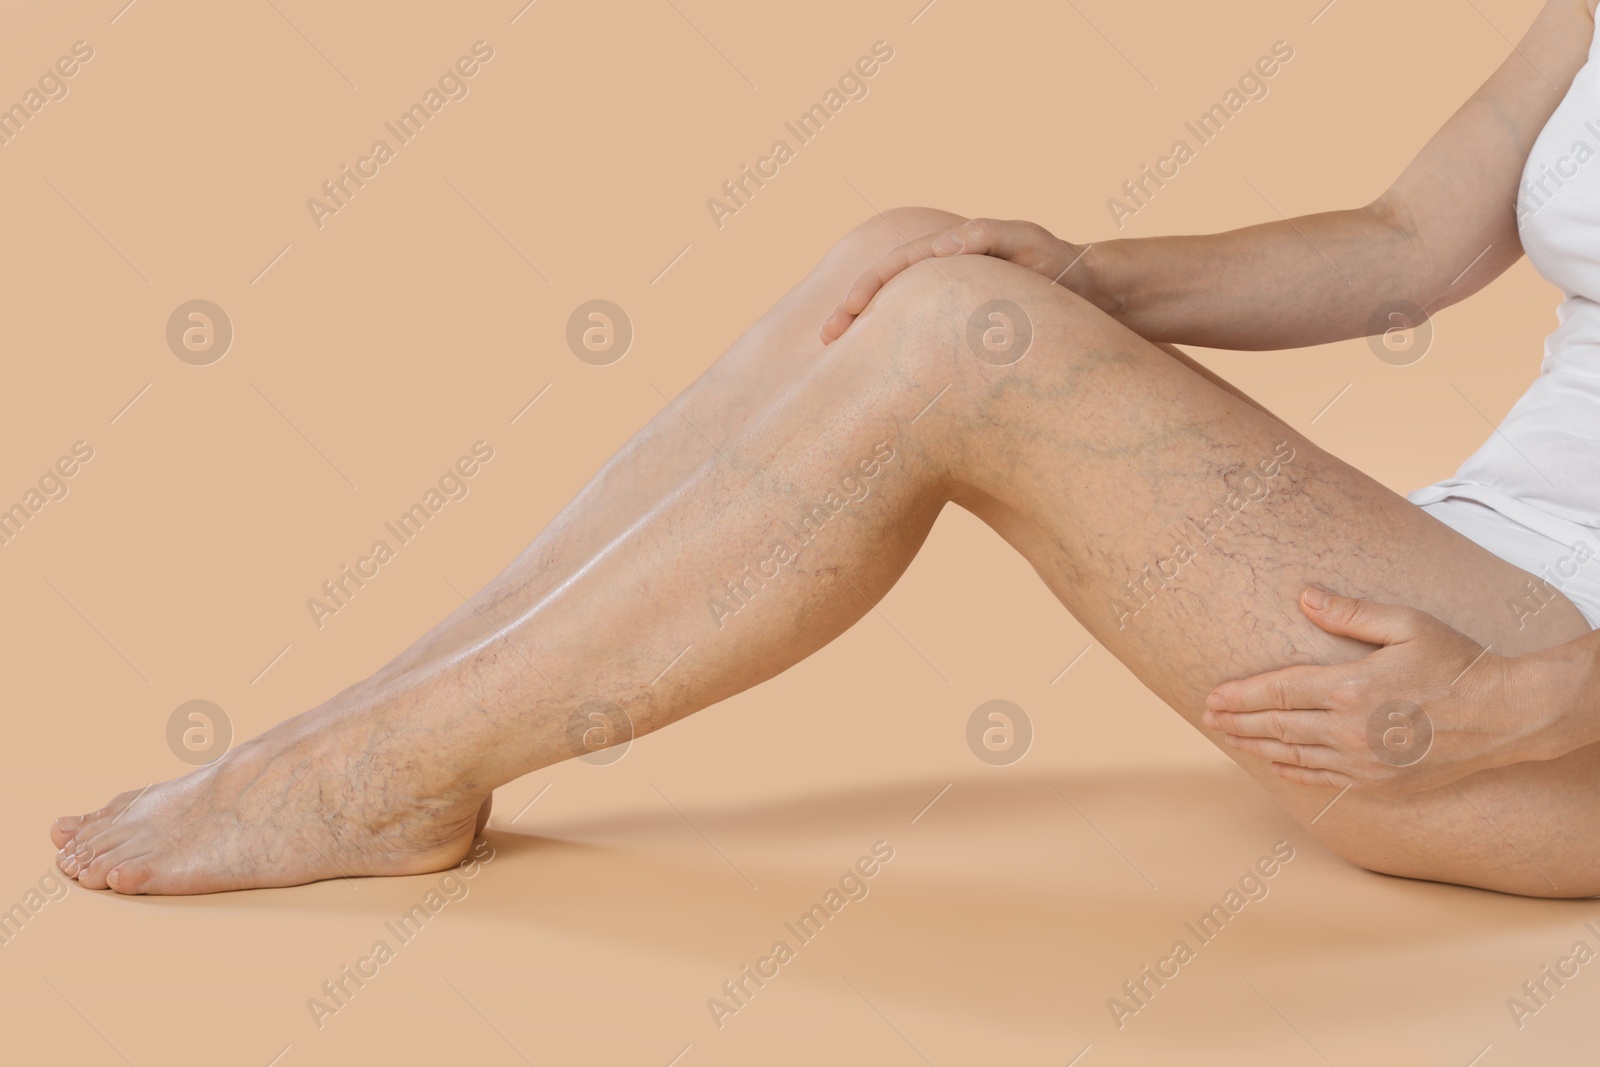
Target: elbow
[(1402, 243), (1391, 212), (1412, 271), (1438, 258)]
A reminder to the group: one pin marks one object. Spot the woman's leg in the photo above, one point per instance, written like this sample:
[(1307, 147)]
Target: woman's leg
[(1096, 455), (754, 371)]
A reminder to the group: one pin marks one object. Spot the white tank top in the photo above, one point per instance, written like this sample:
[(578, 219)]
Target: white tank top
[(1542, 466)]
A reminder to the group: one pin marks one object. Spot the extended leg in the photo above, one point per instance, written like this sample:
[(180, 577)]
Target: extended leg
[(1089, 455), (759, 367), (756, 369)]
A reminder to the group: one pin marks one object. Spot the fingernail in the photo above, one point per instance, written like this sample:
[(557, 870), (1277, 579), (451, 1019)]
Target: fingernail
[(1214, 701), (1209, 719), (1316, 599), (947, 244)]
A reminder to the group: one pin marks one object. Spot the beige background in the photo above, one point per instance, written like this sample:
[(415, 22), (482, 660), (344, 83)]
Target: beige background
[(432, 309)]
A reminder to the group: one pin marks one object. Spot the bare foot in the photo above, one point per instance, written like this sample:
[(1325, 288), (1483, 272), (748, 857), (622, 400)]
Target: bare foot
[(327, 794)]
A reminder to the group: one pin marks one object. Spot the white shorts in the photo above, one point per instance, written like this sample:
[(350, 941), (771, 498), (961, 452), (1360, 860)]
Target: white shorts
[(1574, 569)]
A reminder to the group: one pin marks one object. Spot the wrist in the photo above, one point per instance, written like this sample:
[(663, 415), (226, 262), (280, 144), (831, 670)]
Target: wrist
[(1098, 275), (1557, 688)]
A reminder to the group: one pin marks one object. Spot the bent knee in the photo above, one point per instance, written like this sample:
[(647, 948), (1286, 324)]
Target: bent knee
[(972, 294), (885, 231), (984, 326)]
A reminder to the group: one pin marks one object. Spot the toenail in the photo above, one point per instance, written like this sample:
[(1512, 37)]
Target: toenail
[(111, 878)]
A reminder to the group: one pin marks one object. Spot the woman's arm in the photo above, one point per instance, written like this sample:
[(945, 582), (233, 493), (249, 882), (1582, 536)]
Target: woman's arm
[(1319, 278)]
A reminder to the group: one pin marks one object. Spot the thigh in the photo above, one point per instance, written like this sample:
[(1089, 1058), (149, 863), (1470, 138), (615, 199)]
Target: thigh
[(1179, 520)]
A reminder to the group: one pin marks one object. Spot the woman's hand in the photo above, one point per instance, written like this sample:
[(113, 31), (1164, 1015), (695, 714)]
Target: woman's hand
[(1023, 243), (1429, 707)]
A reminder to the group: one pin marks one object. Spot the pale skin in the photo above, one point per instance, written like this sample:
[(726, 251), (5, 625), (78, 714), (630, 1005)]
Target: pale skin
[(1084, 454)]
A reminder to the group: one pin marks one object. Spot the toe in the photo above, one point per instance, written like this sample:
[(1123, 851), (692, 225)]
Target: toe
[(84, 851), (92, 872), (62, 829), (131, 876), (87, 831), (97, 823), (87, 826), (77, 826), (74, 858)]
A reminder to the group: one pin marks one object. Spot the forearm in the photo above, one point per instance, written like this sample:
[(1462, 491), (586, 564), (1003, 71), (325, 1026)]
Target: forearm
[(1443, 230), (1283, 284)]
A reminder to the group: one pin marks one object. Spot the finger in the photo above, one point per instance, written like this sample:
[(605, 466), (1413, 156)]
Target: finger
[(877, 276), (1312, 775), (1295, 727), (1024, 242), (1365, 620), (1284, 752), (863, 290), (1287, 688), (988, 237)]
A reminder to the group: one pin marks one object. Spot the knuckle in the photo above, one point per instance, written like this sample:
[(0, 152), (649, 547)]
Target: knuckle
[(1345, 692), (1348, 735)]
